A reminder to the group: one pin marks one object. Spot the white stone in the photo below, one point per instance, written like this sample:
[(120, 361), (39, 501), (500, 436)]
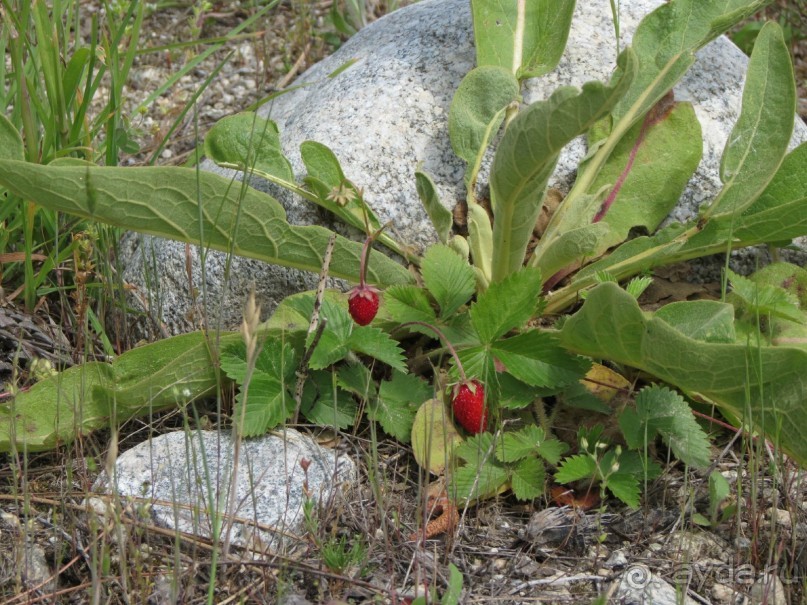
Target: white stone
[(191, 470), (387, 114)]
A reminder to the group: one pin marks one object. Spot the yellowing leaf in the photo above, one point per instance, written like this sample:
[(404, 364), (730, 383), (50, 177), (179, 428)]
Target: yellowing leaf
[(434, 436), (604, 383)]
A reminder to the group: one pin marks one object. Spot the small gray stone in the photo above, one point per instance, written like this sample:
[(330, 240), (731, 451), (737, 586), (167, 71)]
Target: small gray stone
[(617, 560), (387, 114), (768, 590), (722, 594), (192, 470), (638, 585)]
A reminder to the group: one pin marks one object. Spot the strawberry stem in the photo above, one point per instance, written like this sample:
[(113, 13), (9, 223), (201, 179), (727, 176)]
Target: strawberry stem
[(365, 253), (444, 340)]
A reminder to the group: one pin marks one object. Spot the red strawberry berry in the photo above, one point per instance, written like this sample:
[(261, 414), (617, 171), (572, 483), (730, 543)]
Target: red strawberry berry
[(363, 304), (469, 406)]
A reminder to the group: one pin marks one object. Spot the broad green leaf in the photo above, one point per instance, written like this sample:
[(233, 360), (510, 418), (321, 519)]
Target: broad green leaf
[(527, 155), (397, 403), (477, 111), (506, 305), (377, 344), (777, 215), (11, 147), (527, 479), (526, 37), (759, 139), (448, 277), (666, 41), (325, 404), (327, 180), (434, 436), (454, 590), (480, 242), (439, 215), (197, 207), (656, 160), (95, 395), (640, 183), (573, 247), (704, 320), (768, 381), (719, 490), (537, 359), (249, 141), (406, 303)]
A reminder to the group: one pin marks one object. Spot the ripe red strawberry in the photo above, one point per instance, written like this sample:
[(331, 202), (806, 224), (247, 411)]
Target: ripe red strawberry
[(469, 406), (363, 304)]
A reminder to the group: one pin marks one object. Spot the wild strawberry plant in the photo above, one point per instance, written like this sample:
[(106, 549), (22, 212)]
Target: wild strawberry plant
[(481, 308)]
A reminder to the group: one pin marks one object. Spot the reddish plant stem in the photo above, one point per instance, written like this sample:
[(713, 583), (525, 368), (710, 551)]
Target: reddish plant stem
[(444, 340)]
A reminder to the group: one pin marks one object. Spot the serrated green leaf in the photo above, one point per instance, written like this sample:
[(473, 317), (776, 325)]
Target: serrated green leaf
[(357, 379), (704, 320), (625, 487), (248, 141), (537, 359), (519, 444), (514, 394), (440, 216), (334, 343), (551, 450), (574, 468), (325, 404), (397, 403), (448, 277), (758, 142), (406, 303), (471, 482), (765, 299), (527, 479), (477, 111), (527, 154), (665, 411), (201, 208), (377, 344), (263, 404), (506, 305)]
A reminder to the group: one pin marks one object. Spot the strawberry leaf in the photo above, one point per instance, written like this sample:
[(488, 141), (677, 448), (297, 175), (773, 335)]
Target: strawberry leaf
[(472, 482), (660, 410), (519, 444), (536, 358), (356, 378), (506, 305), (377, 344), (527, 479), (574, 468), (625, 486), (333, 343), (448, 277), (325, 404), (397, 403), (407, 303)]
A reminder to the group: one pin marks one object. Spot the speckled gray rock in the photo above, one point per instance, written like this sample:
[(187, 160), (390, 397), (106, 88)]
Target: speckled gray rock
[(638, 585), (182, 468), (387, 115)]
